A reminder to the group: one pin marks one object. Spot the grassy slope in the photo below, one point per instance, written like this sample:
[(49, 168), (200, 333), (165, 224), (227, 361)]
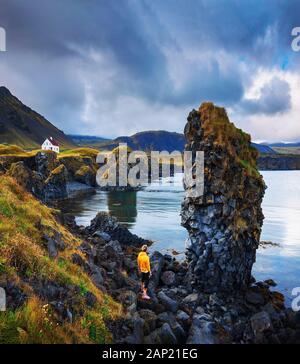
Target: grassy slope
[(216, 123), (16, 151), (23, 258), (79, 152)]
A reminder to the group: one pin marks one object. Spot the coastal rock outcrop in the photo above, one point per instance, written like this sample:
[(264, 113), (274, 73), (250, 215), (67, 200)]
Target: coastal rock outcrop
[(50, 177), (224, 224), (104, 223)]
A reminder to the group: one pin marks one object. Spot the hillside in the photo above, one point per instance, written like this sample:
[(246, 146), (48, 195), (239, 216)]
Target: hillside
[(24, 127), (150, 140), (264, 149), (285, 145), (88, 140), (286, 148), (50, 298)]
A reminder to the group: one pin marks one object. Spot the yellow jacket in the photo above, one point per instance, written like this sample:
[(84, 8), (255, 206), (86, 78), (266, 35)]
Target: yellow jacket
[(143, 262)]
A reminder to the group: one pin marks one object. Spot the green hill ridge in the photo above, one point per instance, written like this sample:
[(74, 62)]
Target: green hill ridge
[(22, 126)]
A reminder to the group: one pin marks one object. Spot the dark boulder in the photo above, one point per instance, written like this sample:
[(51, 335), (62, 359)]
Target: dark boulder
[(86, 175), (103, 222), (168, 278), (168, 302), (56, 184), (46, 162)]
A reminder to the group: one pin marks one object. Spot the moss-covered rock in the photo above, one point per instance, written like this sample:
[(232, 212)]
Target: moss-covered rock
[(56, 184), (86, 175), (49, 301), (224, 224)]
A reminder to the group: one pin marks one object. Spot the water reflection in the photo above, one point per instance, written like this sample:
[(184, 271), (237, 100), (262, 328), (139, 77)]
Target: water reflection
[(154, 213), (123, 205)]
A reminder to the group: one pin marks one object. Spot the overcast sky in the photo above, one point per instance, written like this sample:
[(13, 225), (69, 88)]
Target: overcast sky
[(116, 67)]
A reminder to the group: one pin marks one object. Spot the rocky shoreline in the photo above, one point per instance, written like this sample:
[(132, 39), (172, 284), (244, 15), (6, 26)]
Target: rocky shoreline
[(178, 312), (210, 298)]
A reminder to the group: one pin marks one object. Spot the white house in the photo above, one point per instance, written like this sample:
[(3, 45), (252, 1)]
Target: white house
[(50, 144)]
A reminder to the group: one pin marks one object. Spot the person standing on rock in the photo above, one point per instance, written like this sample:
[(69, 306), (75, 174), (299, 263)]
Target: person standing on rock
[(145, 270)]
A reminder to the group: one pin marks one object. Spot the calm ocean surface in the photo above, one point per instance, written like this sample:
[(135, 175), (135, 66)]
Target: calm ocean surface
[(154, 214)]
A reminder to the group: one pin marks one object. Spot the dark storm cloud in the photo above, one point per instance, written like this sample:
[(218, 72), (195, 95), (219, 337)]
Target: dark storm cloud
[(170, 53)]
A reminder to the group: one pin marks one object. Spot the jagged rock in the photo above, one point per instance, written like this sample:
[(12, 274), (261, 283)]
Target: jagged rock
[(52, 250), (202, 334), (182, 316), (86, 175), (15, 297), (168, 278), (21, 174), (293, 318), (90, 299), (150, 320), (2, 168), (137, 336), (270, 282), (110, 225), (127, 297), (167, 335), (192, 298), (102, 235), (168, 302), (261, 322), (152, 305), (46, 162), (178, 331), (54, 244), (157, 263), (199, 310), (254, 298), (165, 317), (96, 275), (56, 184), (30, 180), (77, 259), (114, 246), (163, 335), (224, 224), (203, 331)]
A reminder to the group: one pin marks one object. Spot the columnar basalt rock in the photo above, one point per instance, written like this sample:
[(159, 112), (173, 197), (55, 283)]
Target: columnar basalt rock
[(224, 224)]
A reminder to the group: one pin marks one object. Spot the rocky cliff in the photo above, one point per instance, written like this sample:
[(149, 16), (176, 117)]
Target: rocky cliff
[(49, 176), (224, 224)]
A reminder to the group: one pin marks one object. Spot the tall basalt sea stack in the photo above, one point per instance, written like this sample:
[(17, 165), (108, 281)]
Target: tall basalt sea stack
[(224, 224)]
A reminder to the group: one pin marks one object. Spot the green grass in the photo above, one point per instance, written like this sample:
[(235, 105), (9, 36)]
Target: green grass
[(215, 122), (23, 255)]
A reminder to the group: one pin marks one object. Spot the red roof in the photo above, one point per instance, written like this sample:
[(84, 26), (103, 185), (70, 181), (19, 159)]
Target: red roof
[(53, 141)]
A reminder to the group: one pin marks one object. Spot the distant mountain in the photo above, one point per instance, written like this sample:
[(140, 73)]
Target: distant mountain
[(162, 140), (150, 140), (88, 140), (24, 127), (284, 145), (265, 149)]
